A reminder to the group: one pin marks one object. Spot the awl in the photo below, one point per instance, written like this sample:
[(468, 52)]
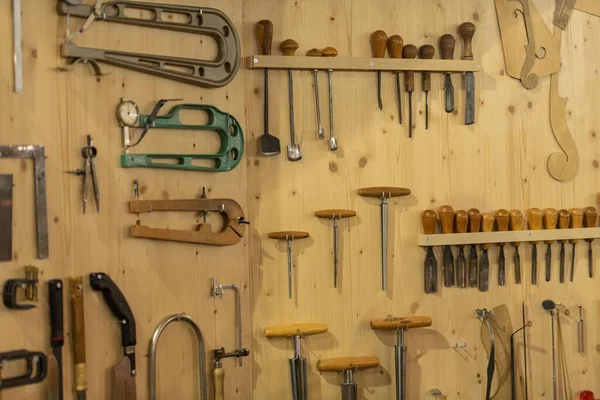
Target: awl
[(124, 372), (55, 290), (550, 220), (466, 31), (591, 217), (78, 336)]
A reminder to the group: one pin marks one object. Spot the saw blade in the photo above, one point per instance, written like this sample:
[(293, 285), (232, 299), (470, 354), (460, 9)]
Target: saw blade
[(124, 388)]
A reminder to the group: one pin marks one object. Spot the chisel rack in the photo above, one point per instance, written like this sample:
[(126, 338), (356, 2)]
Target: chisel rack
[(452, 239)]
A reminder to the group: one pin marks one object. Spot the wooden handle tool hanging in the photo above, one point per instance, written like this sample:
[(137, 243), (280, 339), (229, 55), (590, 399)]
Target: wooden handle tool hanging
[(534, 216), (393, 324), (289, 237), (550, 219), (516, 224), (447, 44), (576, 222), (466, 31), (590, 221), (487, 225), (502, 222), (474, 226), (429, 221), (335, 215), (462, 224), (395, 44), (446, 214), (564, 220), (410, 52), (378, 43), (426, 52)]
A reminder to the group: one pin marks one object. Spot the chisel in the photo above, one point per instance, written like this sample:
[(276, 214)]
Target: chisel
[(447, 44), (550, 220), (429, 220), (395, 43), (125, 371), (78, 336), (487, 225), (502, 221), (576, 222), (426, 52), (466, 31), (534, 216), (564, 219), (446, 214), (55, 290), (591, 217), (409, 51), (474, 226), (516, 224), (378, 42), (462, 222)]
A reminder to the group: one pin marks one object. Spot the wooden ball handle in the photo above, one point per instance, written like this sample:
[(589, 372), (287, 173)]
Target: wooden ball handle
[(426, 52), (288, 47), (564, 220), (447, 218), (590, 217), (550, 219), (429, 220), (409, 51), (447, 44), (378, 42), (466, 31), (534, 216), (502, 221), (462, 221), (314, 53), (395, 43), (474, 220), (516, 222), (264, 36), (329, 52), (487, 225), (576, 220)]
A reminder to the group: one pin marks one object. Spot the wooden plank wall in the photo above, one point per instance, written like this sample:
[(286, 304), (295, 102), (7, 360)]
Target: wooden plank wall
[(57, 109), (500, 162)]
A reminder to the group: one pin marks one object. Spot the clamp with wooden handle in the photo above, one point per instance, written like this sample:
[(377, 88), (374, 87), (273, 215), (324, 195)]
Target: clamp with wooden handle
[(347, 366), (297, 364), (401, 325), (289, 237), (335, 215), (383, 193)]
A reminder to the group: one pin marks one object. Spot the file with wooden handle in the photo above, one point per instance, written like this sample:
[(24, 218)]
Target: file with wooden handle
[(78, 336)]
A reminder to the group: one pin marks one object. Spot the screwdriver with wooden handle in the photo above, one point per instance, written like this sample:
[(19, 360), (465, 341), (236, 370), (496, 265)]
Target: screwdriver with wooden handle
[(466, 31), (462, 223), (487, 225), (474, 226), (395, 44), (426, 52), (550, 220), (409, 51), (590, 219), (378, 43), (429, 221), (576, 222), (502, 221), (534, 216), (516, 224), (564, 219), (447, 43), (446, 214), (78, 336)]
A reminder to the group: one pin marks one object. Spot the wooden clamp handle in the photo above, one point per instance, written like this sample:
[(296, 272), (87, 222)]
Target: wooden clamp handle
[(502, 221), (576, 220), (314, 53), (447, 44), (400, 323), (329, 52), (335, 213), (378, 41), (447, 218), (383, 191), (564, 220), (474, 220), (426, 52), (466, 31), (516, 222), (590, 218), (534, 216), (291, 235), (487, 225), (342, 364), (550, 219), (395, 43), (288, 331), (78, 334), (264, 36), (288, 47), (429, 220), (461, 221), (409, 51)]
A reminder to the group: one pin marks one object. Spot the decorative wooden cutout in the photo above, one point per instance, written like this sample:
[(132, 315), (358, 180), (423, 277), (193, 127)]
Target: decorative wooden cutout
[(521, 23)]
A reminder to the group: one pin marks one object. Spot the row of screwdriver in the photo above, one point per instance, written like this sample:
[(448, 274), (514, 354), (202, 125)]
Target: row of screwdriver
[(476, 273)]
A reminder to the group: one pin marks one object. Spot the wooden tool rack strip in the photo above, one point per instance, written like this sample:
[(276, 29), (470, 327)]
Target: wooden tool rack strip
[(361, 64), (454, 239)]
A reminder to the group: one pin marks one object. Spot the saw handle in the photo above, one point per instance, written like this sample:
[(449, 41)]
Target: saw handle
[(264, 36), (401, 323), (218, 380), (118, 305), (55, 290), (291, 330)]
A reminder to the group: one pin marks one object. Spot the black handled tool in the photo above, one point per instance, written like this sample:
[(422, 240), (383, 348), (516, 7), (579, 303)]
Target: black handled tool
[(32, 375), (125, 372), (55, 290)]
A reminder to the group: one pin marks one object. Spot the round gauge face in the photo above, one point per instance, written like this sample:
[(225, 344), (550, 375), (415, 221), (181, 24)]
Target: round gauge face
[(128, 113)]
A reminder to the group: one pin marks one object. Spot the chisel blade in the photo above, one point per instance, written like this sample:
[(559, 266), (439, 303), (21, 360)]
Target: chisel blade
[(430, 272), (448, 93), (470, 90), (548, 262), (124, 388), (448, 267), (562, 263), (473, 266), (534, 264), (501, 267), (573, 263), (517, 266), (461, 268), (590, 260), (484, 272), (54, 375)]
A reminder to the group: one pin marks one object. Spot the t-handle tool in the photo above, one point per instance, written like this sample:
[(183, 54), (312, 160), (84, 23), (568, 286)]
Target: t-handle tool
[(78, 336), (401, 325), (466, 31), (474, 226), (219, 372), (462, 224), (89, 153), (384, 193), (289, 237), (269, 144), (378, 42), (429, 220), (589, 221), (447, 219), (516, 224), (320, 130), (487, 225), (564, 219), (55, 291), (335, 215), (426, 52), (298, 365), (409, 51), (550, 218), (288, 48), (534, 216), (347, 366), (576, 222), (395, 44), (447, 43), (502, 221), (331, 52)]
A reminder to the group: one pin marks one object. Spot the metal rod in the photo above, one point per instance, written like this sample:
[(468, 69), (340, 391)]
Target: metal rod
[(554, 382), (349, 391), (332, 140), (291, 104), (400, 351), (320, 130), (580, 331), (335, 251), (266, 101), (399, 96), (289, 259), (18, 53), (384, 229), (379, 101)]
